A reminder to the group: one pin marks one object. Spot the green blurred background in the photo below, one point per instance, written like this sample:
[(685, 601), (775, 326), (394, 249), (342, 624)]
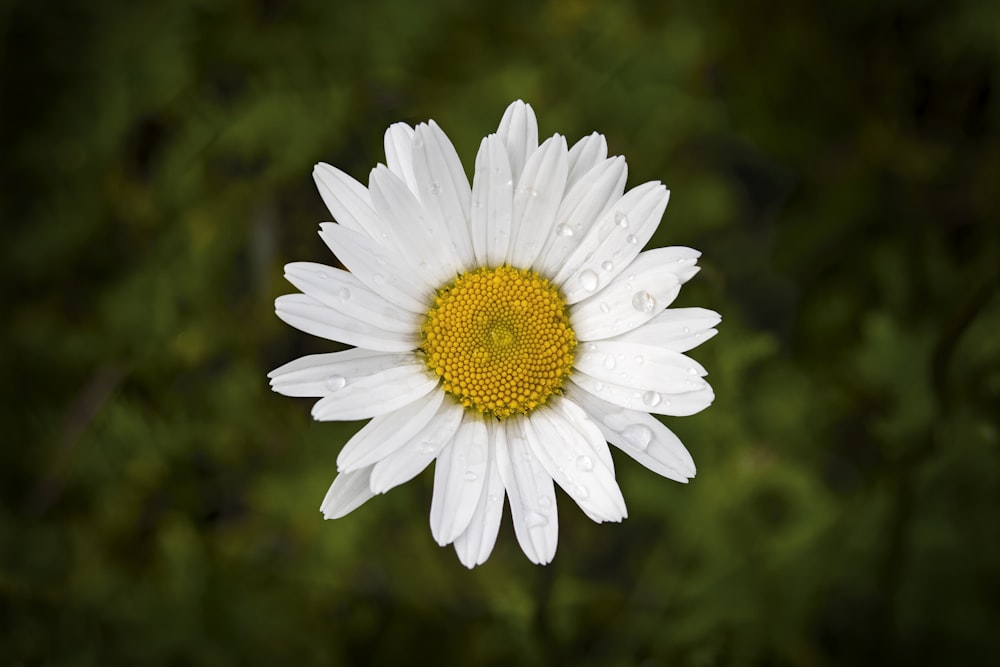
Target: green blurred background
[(837, 163)]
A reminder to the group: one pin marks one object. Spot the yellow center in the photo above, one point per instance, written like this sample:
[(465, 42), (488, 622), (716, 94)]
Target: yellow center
[(500, 339)]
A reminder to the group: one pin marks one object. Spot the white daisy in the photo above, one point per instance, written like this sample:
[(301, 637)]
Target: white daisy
[(508, 331)]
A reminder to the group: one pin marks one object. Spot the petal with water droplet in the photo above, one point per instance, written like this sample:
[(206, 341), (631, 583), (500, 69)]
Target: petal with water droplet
[(307, 314), (348, 201), (657, 369), (676, 405), (586, 154), (518, 131), (677, 329), (531, 493), (348, 492), (408, 461), (386, 433), (475, 544), (398, 142), (536, 200), (459, 478), (307, 376), (376, 394), (492, 203)]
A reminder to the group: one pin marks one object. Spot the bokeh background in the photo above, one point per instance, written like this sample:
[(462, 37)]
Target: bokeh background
[(837, 163)]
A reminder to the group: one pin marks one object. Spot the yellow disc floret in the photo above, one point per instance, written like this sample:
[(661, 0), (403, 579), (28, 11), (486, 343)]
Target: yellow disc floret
[(500, 339)]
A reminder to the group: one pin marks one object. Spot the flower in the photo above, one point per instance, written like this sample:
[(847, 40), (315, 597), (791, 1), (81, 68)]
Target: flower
[(506, 331)]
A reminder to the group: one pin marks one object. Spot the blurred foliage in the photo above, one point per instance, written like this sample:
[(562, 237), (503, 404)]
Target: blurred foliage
[(838, 165)]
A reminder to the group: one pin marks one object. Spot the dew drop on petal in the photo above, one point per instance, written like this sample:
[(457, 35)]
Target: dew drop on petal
[(425, 448), (344, 294), (535, 519), (581, 492), (470, 476), (322, 275), (493, 497), (605, 308), (584, 463), (651, 398), (336, 382), (621, 219), (639, 360), (644, 302), (609, 362), (632, 239), (607, 266), (692, 370), (588, 280), (562, 229), (687, 330), (638, 435), (435, 188)]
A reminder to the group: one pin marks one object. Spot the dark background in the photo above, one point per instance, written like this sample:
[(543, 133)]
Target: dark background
[(837, 163)]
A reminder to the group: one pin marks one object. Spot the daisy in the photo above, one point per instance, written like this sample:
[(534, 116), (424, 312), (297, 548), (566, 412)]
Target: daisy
[(508, 331)]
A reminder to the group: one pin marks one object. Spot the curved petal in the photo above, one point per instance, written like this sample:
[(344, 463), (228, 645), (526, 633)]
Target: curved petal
[(398, 143), (307, 314), (386, 433), (492, 203), (640, 367), (649, 285), (348, 200), (571, 453), (347, 493), (320, 374), (581, 208), (586, 154), (415, 233), (408, 461), (459, 478), (475, 544), (518, 131), (638, 434), (384, 271), (536, 200), (341, 291), (676, 405), (531, 493), (613, 242), (444, 189), (375, 394), (677, 329)]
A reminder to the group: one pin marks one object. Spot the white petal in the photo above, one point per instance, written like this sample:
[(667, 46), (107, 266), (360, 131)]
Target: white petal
[(676, 405), (386, 433), (348, 201), (347, 493), (531, 493), (385, 272), (399, 153), (408, 461), (640, 367), (307, 314), (415, 233), (475, 544), (459, 477), (444, 190), (647, 286), (519, 133), (321, 374), (376, 394), (536, 200), (613, 242), (677, 329), (572, 457), (585, 155), (341, 291), (580, 209), (492, 203), (638, 434)]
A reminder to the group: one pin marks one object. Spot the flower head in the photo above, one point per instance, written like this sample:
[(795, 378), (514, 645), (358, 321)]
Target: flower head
[(506, 331)]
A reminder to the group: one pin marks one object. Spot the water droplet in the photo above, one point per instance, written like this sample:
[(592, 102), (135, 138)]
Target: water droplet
[(425, 448), (609, 362), (621, 219), (562, 229), (477, 203), (335, 382), (692, 370), (584, 463), (470, 476), (607, 266), (322, 275), (605, 308), (643, 302), (535, 520), (632, 239), (493, 498), (497, 170), (639, 360), (598, 386), (435, 189), (651, 398), (638, 435), (379, 279), (344, 294), (581, 492), (588, 280), (686, 330), (590, 347), (667, 403)]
